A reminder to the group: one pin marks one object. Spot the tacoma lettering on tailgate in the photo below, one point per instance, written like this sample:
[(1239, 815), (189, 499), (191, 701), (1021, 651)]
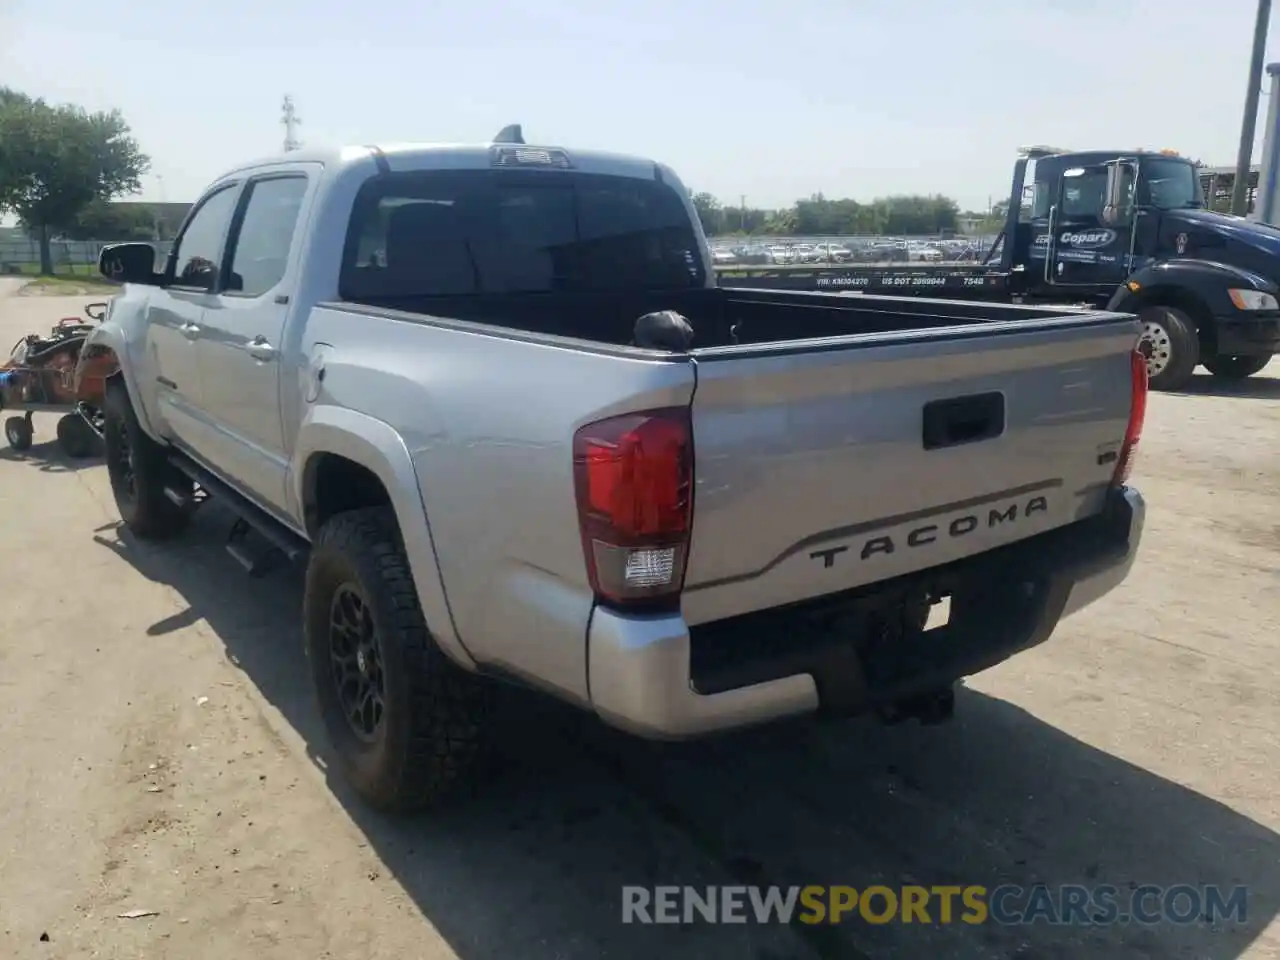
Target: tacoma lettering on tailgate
[(929, 533)]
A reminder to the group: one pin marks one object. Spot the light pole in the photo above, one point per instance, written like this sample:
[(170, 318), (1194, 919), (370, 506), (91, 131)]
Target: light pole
[(1249, 125), (156, 218)]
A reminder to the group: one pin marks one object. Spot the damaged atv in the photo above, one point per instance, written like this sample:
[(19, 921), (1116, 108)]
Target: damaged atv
[(40, 377)]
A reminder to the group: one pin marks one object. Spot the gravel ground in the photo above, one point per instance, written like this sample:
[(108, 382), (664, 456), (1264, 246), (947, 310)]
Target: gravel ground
[(162, 754)]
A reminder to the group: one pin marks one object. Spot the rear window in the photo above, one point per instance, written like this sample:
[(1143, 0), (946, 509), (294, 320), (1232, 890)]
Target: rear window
[(460, 233)]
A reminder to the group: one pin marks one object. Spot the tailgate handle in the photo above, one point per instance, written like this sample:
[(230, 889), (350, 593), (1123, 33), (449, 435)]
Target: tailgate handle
[(951, 422)]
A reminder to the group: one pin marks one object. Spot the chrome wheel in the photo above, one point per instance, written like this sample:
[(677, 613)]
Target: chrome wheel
[(1155, 345)]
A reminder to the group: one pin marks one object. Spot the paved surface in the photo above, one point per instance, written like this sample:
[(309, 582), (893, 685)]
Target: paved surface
[(1139, 746)]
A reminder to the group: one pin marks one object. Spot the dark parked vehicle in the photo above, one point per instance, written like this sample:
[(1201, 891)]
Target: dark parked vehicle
[(1118, 230)]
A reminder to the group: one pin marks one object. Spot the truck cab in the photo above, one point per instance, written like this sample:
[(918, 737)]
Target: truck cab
[(1130, 231)]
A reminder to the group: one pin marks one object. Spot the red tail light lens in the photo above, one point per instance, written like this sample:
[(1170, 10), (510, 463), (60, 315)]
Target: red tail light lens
[(633, 476), (1137, 416)]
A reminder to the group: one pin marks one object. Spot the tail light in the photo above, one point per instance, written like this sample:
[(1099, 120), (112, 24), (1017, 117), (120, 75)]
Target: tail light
[(1137, 416), (633, 477)]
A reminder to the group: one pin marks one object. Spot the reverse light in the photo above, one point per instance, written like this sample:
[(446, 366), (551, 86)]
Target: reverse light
[(1137, 416), (1253, 300), (633, 476)]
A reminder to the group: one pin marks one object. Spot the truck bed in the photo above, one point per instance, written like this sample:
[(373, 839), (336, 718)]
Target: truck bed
[(719, 316), (941, 278)]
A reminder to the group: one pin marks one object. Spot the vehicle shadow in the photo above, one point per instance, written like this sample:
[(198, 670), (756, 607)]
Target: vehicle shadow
[(48, 457), (1257, 387), (534, 864)]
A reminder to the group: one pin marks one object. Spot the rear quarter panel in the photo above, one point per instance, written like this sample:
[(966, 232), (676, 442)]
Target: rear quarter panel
[(489, 423)]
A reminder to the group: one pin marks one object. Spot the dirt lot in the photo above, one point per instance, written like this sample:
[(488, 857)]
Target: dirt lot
[(161, 754)]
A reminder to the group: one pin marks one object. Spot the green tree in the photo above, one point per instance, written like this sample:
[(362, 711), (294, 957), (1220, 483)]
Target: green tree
[(744, 220), (819, 216), (56, 160), (104, 220), (710, 213)]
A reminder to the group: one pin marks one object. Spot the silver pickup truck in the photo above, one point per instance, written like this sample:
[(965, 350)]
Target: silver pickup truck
[(494, 397)]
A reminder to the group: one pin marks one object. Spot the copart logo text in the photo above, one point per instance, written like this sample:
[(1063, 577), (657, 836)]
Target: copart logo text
[(1087, 239)]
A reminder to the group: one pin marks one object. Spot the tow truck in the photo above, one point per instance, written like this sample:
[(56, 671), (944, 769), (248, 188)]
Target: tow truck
[(1120, 230)]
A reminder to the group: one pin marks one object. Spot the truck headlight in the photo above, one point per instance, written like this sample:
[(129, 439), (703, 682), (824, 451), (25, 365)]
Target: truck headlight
[(1253, 300)]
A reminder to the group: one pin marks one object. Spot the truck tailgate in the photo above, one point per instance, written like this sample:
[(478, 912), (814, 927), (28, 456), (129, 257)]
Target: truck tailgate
[(824, 465)]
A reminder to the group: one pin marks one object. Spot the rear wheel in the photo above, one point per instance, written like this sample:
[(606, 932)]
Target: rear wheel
[(140, 471), (407, 724), (1235, 368), (1170, 345)]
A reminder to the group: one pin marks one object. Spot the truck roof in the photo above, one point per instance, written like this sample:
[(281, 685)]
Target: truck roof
[(427, 155)]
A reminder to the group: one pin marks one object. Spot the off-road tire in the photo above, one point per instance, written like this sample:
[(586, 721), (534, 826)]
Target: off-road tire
[(75, 437), (17, 430), (1180, 342), (1235, 368), (436, 717), (144, 507)]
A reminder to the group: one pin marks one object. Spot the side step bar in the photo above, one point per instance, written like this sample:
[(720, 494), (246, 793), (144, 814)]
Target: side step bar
[(92, 416), (283, 543)]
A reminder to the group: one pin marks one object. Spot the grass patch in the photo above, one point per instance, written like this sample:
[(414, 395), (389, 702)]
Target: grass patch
[(59, 270)]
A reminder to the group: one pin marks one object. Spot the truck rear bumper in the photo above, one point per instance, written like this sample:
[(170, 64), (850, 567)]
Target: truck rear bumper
[(654, 677)]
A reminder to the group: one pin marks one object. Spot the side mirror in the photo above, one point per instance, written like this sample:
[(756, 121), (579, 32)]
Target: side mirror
[(1115, 207), (128, 263)]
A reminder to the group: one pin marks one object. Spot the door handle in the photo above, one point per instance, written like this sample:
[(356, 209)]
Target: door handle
[(191, 331), (259, 349)]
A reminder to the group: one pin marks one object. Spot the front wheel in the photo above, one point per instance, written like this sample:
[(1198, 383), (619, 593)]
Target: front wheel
[(140, 473), (407, 725), (1170, 345), (1235, 368)]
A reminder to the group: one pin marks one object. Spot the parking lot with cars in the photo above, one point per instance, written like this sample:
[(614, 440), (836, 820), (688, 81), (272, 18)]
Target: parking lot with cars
[(786, 251), (168, 789)]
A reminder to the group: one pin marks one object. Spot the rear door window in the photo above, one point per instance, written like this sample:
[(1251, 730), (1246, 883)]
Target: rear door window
[(462, 233)]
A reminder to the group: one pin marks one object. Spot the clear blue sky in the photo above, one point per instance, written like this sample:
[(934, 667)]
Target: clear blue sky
[(772, 100)]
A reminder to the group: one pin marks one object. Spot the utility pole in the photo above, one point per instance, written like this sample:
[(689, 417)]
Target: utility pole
[(742, 213), (1244, 160), (290, 120)]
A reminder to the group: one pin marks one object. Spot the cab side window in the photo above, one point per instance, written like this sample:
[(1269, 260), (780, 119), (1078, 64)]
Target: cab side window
[(260, 251), (1084, 196), (197, 256)]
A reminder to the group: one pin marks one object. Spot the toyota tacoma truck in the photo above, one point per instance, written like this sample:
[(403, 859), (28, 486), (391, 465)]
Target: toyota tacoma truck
[(494, 399)]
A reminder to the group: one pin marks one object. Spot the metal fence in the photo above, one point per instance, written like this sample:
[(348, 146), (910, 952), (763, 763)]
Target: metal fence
[(22, 254)]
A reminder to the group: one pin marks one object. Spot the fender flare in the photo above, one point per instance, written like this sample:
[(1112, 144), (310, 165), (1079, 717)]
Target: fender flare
[(110, 337), (1205, 280), (376, 446)]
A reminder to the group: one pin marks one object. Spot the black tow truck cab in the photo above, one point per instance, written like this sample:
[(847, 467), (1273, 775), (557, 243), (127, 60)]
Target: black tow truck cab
[(1121, 230)]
